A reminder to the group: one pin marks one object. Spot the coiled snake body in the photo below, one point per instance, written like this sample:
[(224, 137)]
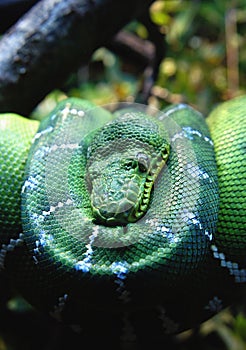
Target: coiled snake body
[(125, 219)]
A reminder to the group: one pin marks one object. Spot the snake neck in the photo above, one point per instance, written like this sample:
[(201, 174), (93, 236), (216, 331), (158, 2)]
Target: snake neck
[(123, 161)]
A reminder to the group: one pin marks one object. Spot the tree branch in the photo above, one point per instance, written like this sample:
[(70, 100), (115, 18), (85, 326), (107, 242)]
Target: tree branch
[(51, 41)]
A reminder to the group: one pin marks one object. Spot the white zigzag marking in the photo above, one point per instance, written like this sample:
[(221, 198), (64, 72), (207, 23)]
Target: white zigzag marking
[(59, 307), (5, 248), (85, 264), (188, 132), (214, 305), (233, 267), (58, 206), (120, 269)]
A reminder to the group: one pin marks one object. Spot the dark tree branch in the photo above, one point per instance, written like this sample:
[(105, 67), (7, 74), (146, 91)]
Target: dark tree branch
[(51, 41)]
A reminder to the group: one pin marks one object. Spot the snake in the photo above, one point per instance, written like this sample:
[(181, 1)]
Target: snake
[(128, 221)]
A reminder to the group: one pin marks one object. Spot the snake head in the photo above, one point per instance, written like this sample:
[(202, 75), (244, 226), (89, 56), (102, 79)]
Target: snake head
[(123, 162)]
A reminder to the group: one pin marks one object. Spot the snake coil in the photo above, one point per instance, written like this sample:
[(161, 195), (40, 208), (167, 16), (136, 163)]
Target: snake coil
[(110, 219)]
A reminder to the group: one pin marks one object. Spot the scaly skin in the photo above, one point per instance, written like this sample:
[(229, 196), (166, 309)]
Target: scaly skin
[(227, 125), (123, 163), (163, 241)]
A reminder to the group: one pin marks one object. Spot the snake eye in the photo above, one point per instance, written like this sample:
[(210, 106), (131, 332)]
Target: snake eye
[(142, 168), (143, 162)]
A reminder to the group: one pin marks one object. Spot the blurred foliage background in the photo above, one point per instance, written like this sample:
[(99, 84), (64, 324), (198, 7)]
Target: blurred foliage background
[(203, 64), (204, 61)]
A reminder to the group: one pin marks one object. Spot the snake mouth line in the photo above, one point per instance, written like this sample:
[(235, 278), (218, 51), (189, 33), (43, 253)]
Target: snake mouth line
[(144, 202), (145, 199)]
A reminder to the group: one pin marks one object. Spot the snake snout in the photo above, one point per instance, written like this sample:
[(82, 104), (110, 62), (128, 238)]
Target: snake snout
[(113, 202)]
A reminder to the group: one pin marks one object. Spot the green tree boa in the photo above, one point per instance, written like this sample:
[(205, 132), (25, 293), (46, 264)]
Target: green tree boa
[(125, 220)]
